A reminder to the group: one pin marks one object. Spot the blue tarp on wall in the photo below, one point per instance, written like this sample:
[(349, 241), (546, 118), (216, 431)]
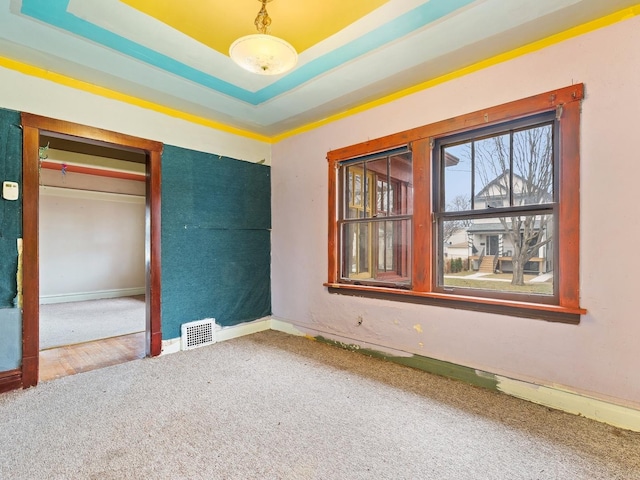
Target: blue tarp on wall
[(216, 239)]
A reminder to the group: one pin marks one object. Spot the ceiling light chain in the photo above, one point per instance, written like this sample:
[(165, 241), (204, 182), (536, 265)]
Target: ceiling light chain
[(263, 20)]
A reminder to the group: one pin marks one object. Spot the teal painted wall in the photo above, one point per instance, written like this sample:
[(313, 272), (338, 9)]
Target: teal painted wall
[(216, 239), (10, 338), (10, 231)]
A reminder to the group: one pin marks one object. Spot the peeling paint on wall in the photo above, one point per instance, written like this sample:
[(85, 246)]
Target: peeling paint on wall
[(564, 400), (430, 365)]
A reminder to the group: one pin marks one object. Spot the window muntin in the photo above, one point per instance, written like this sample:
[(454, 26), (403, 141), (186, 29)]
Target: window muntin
[(375, 221), (500, 198)]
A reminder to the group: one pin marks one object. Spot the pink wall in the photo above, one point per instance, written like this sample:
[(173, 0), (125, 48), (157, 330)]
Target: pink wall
[(600, 357)]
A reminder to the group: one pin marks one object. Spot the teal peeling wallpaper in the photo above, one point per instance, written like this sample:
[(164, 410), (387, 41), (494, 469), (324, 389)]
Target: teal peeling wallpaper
[(216, 239)]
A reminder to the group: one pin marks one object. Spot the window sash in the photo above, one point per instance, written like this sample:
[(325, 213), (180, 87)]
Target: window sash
[(513, 210), (376, 251), (483, 133), (542, 222), (359, 183)]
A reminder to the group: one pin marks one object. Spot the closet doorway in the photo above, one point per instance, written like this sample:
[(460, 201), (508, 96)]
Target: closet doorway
[(91, 249), (79, 139)]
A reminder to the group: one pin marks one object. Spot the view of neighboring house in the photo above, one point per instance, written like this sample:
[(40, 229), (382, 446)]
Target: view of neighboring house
[(491, 241), (458, 245)]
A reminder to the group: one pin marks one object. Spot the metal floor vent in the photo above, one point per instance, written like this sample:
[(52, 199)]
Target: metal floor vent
[(198, 334)]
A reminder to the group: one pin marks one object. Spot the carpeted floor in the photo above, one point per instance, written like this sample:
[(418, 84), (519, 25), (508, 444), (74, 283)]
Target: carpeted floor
[(78, 322), (275, 406)]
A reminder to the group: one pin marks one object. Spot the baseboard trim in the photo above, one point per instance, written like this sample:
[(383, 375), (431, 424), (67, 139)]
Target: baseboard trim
[(570, 402), (242, 329), (559, 399), (169, 346), (97, 295), (10, 380), (172, 345), (286, 327)]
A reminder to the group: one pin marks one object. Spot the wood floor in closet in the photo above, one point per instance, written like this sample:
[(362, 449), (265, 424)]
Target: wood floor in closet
[(83, 357)]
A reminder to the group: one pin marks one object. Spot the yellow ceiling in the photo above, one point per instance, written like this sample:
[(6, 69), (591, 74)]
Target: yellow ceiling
[(217, 23)]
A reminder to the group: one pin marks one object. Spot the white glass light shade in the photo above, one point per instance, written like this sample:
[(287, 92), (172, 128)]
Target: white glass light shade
[(263, 54)]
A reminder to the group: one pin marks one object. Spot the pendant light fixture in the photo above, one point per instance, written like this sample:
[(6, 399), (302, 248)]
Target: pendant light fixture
[(262, 53)]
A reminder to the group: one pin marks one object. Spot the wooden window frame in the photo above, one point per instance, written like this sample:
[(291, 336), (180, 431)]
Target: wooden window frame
[(566, 102)]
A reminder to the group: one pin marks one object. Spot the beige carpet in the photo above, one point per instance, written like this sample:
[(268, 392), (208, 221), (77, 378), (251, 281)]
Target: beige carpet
[(274, 406), (78, 322)]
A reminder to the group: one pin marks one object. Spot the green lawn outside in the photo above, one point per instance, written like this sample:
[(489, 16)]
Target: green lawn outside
[(462, 274), (545, 288)]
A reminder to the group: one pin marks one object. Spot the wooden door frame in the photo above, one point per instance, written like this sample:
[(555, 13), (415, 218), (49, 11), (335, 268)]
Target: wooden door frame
[(32, 126)]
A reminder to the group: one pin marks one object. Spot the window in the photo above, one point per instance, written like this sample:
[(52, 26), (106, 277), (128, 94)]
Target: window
[(375, 219), (479, 211), (495, 187)]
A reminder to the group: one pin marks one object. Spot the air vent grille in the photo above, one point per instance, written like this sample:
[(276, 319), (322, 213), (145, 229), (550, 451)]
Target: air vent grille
[(198, 334)]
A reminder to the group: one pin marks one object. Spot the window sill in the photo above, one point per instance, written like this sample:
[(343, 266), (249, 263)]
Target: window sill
[(550, 313)]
